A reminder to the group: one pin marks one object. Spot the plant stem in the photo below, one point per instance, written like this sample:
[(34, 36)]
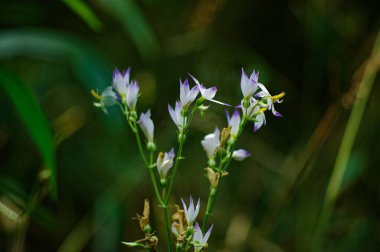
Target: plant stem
[(167, 227), (346, 146), (222, 167)]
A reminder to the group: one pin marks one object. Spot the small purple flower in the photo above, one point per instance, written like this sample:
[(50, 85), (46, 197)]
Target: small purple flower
[(147, 126), (187, 95), (191, 212), (121, 81), (200, 241), (234, 122), (132, 95), (211, 143), (240, 154), (176, 115), (207, 93), (165, 162), (248, 85)]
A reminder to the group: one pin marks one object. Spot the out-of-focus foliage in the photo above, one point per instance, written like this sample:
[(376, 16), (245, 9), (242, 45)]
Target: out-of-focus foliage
[(52, 53)]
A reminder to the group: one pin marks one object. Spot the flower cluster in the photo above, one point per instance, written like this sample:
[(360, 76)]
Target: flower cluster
[(184, 229), (220, 148)]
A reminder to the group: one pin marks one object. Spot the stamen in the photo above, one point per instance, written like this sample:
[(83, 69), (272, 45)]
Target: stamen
[(277, 97), (96, 95)]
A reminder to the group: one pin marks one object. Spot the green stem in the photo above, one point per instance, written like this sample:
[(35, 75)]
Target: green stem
[(346, 146), (181, 141), (222, 167), (138, 140), (167, 227)]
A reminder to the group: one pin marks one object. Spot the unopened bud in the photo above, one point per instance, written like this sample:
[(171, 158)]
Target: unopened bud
[(211, 162), (246, 103), (151, 147), (163, 182)]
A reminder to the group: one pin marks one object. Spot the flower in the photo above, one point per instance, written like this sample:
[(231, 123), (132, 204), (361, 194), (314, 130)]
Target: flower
[(165, 162), (106, 99), (200, 241), (234, 122), (259, 120), (270, 100), (207, 93), (147, 126), (211, 143), (191, 213), (132, 95), (187, 95), (121, 81), (240, 154), (248, 85), (176, 115)]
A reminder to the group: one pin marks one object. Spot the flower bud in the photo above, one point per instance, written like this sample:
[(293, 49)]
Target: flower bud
[(151, 147), (163, 182), (211, 162)]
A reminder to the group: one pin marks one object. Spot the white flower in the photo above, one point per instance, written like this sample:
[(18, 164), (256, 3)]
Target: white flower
[(260, 121), (191, 213), (187, 95), (147, 126), (132, 95), (200, 241), (121, 81), (240, 155), (106, 99), (165, 162), (176, 115), (248, 85), (211, 143), (234, 122), (270, 100), (207, 93)]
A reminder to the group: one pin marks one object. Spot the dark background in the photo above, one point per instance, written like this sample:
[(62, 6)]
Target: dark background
[(52, 53)]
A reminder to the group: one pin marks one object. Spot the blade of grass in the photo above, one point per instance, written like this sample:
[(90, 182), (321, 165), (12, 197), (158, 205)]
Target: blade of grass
[(346, 146), (34, 119), (85, 13)]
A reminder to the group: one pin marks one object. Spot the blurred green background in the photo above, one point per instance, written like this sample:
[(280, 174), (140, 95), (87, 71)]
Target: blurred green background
[(77, 174)]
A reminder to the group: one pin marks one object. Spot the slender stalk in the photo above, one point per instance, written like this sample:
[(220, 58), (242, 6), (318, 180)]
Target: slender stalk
[(222, 167), (181, 141), (167, 227), (346, 146)]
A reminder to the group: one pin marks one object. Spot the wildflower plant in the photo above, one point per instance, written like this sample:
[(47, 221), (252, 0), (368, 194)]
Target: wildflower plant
[(219, 146)]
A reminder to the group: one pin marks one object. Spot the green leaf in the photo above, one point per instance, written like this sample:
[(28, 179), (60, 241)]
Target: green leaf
[(85, 13), (35, 121)]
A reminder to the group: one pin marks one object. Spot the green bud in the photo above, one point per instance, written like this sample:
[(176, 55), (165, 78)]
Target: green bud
[(151, 147), (147, 229), (163, 182), (211, 162), (246, 103)]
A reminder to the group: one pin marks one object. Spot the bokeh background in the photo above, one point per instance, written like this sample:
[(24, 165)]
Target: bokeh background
[(323, 54)]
